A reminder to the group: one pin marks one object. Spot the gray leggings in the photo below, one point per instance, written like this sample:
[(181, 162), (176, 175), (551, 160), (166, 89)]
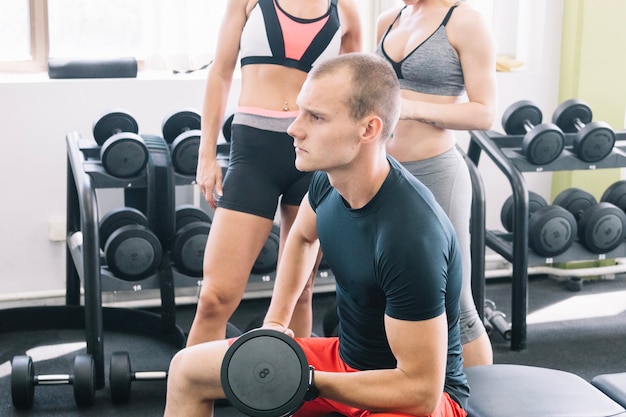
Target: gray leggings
[(448, 178)]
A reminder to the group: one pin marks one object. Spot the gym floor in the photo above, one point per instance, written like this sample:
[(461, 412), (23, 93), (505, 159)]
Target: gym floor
[(580, 332)]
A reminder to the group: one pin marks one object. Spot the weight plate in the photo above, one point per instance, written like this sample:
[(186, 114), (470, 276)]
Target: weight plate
[(84, 380), (22, 382), (575, 200), (551, 231), (543, 144), (535, 202), (120, 377), (188, 248), (568, 112), (187, 213), (518, 114), (124, 155), (179, 122), (594, 142), (226, 127), (265, 374), (602, 227), (133, 253), (185, 152), (616, 194), (117, 218), (113, 122), (268, 257)]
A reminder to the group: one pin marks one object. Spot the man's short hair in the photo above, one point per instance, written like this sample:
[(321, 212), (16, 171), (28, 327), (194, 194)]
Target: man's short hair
[(374, 86)]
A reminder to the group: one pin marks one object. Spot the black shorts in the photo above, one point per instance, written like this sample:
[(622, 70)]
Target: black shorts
[(262, 167)]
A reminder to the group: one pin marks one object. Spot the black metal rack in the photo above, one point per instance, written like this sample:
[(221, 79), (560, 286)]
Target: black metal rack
[(506, 153)]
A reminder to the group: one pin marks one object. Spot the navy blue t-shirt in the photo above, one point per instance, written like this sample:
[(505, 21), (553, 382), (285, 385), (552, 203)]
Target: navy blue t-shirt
[(396, 256)]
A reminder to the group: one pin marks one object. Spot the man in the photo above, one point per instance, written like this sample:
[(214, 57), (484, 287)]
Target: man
[(392, 250)]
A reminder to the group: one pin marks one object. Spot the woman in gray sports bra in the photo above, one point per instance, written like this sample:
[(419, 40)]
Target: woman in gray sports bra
[(444, 56)]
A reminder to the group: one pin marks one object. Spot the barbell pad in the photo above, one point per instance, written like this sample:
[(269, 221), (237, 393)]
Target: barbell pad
[(543, 144), (567, 113), (84, 380), (185, 152), (517, 114), (616, 194), (117, 218), (268, 257), (22, 382), (178, 122), (602, 228), (575, 200), (133, 252), (124, 155), (535, 202), (227, 127), (594, 142), (187, 213), (188, 247), (551, 231), (120, 377), (112, 122), (265, 373)]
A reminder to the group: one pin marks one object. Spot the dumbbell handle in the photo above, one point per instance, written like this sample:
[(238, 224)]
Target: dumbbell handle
[(149, 375), (578, 123), (498, 320), (53, 379), (528, 126)]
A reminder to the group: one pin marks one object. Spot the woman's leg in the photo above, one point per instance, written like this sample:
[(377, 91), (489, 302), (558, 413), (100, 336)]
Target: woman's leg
[(234, 243)]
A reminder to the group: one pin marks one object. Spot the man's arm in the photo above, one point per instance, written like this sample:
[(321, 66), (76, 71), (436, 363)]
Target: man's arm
[(297, 261), (416, 384)]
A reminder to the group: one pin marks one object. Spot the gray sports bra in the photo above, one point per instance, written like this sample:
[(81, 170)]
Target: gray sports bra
[(432, 67)]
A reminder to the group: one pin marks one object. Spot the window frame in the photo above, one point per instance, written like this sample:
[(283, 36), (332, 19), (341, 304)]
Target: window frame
[(38, 12)]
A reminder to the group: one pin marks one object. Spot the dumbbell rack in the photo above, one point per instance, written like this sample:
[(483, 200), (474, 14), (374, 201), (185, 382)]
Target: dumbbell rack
[(85, 175), (506, 153)]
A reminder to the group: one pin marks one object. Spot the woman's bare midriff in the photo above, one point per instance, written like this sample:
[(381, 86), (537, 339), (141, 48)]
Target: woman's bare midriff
[(413, 140), (261, 90)]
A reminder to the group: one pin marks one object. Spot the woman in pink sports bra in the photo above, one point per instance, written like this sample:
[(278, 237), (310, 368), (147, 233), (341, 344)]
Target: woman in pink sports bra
[(444, 56), (277, 42)]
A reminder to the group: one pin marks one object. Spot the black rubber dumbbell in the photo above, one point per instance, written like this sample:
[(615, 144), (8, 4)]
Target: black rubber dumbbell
[(131, 250), (268, 257), (551, 229), (265, 373), (594, 141), (24, 380), (601, 226), (542, 142), (192, 230), (181, 130), (227, 127), (616, 194), (123, 152), (121, 374)]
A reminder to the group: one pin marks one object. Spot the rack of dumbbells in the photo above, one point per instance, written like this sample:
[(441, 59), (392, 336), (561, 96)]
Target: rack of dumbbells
[(575, 227)]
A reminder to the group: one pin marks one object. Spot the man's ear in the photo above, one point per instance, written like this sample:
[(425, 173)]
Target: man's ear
[(373, 128)]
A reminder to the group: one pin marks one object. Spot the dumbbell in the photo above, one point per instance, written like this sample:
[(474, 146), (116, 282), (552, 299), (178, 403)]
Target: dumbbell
[(616, 194), (227, 126), (551, 229), (265, 373), (268, 257), (594, 141), (601, 226), (24, 379), (542, 142), (181, 129), (121, 375), (132, 251), (123, 152), (192, 230)]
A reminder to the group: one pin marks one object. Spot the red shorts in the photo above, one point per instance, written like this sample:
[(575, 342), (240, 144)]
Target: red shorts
[(323, 353)]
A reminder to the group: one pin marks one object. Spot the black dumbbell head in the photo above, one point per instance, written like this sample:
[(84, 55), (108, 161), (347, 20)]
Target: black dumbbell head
[(117, 218), (575, 200), (124, 154), (226, 127), (265, 373), (22, 382), (568, 112), (188, 247), (120, 377), (185, 150), (551, 231), (518, 114), (535, 202), (133, 252), (112, 122), (179, 122), (616, 194), (602, 228), (84, 380)]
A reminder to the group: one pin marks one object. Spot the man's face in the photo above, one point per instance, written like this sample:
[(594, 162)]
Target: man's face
[(325, 137)]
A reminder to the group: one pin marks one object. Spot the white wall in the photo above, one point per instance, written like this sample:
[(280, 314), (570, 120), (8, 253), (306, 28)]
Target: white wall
[(36, 114)]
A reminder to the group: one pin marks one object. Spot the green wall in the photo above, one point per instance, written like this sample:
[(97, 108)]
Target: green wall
[(593, 68)]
